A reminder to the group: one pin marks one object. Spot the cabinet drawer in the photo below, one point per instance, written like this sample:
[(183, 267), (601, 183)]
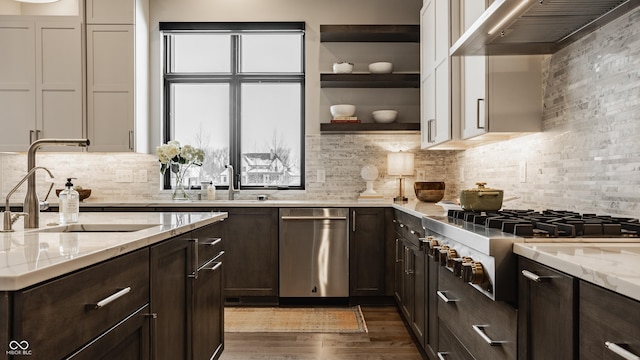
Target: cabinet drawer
[(476, 320), (607, 317), (449, 347), (210, 242), (58, 317)]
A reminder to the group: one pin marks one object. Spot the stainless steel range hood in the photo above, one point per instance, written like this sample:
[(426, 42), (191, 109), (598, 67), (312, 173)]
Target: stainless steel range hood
[(526, 27)]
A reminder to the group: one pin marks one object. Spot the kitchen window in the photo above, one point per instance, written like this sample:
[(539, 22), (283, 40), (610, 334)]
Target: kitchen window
[(236, 90)]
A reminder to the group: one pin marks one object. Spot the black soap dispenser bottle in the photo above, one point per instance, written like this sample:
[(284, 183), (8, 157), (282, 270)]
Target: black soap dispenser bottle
[(69, 204)]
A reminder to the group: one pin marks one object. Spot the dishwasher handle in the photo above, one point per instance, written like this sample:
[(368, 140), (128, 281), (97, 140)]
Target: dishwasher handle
[(313, 218)]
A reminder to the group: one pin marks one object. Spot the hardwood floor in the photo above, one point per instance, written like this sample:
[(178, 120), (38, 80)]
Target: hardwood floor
[(387, 339)]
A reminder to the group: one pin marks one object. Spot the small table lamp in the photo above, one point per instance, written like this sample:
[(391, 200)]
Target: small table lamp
[(400, 164)]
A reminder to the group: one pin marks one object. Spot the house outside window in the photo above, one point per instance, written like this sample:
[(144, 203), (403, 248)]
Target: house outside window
[(236, 90)]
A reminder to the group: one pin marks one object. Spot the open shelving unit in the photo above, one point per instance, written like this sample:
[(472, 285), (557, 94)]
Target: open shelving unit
[(399, 80)]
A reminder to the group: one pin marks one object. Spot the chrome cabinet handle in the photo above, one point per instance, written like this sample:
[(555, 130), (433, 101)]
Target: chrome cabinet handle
[(429, 127), (442, 354), (535, 277), (619, 350), (478, 113), (442, 295), (313, 218), (479, 330), (109, 299), (212, 241), (353, 220), (131, 140), (194, 274), (212, 264)]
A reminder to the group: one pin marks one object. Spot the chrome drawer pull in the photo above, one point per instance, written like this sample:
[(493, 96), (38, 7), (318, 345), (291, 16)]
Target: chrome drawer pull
[(534, 277), (212, 242), (441, 355), (626, 354), (104, 302), (443, 296), (214, 260), (479, 329)]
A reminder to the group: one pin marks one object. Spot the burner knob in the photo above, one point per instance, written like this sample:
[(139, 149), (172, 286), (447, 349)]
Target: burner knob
[(457, 267), (444, 250), (477, 273), (451, 255), (434, 246), (466, 272)]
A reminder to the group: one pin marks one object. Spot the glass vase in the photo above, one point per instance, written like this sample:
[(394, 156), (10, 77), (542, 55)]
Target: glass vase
[(179, 192)]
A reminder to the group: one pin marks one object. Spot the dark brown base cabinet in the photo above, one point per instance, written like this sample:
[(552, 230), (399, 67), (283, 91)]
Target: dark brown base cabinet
[(370, 255), (251, 255), (186, 295), (159, 309), (609, 322), (546, 313), (486, 328)]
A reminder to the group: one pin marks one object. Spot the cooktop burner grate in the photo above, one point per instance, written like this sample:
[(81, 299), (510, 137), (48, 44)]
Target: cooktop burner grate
[(552, 223)]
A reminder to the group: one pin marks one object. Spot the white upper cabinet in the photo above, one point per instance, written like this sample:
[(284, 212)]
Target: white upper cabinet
[(111, 12), (40, 82), (440, 93), (501, 95), (117, 76)]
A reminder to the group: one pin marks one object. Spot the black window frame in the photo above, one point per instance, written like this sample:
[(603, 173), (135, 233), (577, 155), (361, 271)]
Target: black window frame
[(235, 79)]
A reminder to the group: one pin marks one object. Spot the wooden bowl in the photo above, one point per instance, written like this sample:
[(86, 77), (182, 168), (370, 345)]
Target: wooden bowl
[(84, 193), (429, 191)]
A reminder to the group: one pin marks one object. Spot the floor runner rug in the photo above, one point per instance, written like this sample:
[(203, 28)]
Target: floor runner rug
[(294, 319)]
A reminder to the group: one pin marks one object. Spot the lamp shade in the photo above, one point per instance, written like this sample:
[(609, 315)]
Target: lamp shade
[(400, 163)]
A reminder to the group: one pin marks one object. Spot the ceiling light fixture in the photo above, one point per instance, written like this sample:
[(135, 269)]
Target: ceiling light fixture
[(38, 1), (508, 17)]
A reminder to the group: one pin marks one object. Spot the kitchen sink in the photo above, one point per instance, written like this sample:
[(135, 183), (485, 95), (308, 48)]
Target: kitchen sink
[(96, 228)]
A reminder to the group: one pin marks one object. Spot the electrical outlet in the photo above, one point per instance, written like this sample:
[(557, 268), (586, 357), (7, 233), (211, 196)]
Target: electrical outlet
[(140, 176), (321, 176), (421, 175), (124, 176), (523, 172)]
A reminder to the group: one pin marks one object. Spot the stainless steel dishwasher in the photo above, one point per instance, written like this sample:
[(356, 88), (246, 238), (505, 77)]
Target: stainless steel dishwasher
[(314, 252)]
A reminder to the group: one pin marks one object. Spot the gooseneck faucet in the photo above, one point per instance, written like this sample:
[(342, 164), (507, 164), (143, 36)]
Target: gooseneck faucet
[(232, 189), (9, 219), (31, 203)]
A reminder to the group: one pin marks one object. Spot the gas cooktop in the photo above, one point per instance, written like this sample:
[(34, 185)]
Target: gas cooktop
[(553, 224)]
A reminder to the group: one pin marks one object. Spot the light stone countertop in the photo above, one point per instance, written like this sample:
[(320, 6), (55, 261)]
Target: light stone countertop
[(613, 266), (32, 256)]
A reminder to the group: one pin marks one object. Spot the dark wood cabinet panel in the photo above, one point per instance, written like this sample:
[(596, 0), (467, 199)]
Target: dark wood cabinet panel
[(367, 252), (607, 318), (547, 314), (475, 319), (129, 340), (251, 252), (431, 320), (402, 80), (208, 305), (42, 314), (449, 347), (171, 265)]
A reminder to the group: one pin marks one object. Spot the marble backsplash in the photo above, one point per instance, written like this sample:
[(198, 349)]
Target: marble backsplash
[(587, 158)]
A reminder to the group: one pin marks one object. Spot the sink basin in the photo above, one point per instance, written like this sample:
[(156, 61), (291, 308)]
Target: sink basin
[(96, 228)]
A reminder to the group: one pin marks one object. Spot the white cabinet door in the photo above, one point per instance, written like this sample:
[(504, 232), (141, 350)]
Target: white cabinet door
[(17, 85), (428, 113), (474, 74), (427, 39), (110, 87), (111, 12), (442, 131), (59, 80), (40, 82)]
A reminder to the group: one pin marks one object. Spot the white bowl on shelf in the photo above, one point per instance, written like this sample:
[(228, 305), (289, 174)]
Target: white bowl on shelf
[(381, 68), (342, 67), (342, 110), (385, 116)]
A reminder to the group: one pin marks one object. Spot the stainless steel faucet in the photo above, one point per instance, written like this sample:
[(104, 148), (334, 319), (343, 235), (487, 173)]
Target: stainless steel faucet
[(232, 189), (9, 218), (31, 203)]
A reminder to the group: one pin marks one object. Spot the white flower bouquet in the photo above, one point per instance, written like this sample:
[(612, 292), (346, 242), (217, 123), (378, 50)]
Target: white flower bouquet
[(178, 159)]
